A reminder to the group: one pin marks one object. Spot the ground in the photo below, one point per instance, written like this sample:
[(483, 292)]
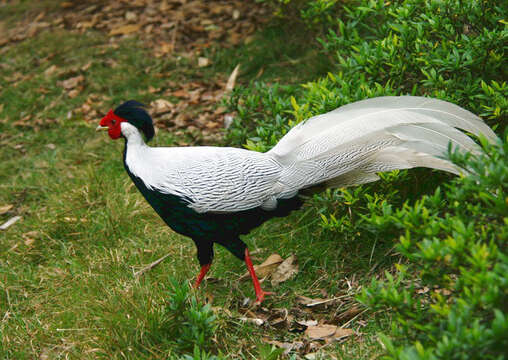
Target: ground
[(67, 265)]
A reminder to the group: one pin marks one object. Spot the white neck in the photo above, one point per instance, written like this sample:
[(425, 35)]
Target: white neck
[(132, 134)]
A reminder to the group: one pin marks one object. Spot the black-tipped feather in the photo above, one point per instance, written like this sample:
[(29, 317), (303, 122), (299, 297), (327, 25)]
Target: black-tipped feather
[(135, 114)]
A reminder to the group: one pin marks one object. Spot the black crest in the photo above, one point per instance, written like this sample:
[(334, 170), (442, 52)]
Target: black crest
[(134, 112)]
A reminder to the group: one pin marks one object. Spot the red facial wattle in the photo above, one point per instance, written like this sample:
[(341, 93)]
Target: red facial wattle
[(113, 122)]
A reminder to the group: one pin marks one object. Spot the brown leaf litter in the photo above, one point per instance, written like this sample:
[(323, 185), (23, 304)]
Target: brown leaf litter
[(311, 323), (183, 28), (163, 25)]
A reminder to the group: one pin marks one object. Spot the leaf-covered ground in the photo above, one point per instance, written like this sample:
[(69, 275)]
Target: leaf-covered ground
[(77, 230)]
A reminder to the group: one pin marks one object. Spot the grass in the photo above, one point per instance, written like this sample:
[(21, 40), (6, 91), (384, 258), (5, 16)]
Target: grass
[(276, 54), (67, 288), (25, 10)]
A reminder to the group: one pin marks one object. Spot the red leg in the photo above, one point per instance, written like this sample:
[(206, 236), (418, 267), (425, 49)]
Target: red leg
[(260, 294), (202, 273)]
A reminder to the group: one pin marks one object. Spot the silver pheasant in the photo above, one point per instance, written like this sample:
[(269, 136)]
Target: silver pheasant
[(215, 194)]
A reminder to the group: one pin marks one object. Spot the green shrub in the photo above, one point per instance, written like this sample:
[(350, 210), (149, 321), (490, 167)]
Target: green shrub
[(452, 50), (177, 322), (315, 14), (199, 355), (262, 116), (449, 299), (184, 319)]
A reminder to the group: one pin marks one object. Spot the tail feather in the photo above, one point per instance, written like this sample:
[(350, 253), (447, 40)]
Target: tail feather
[(398, 158), (349, 145), (434, 138), (356, 177), (451, 114)]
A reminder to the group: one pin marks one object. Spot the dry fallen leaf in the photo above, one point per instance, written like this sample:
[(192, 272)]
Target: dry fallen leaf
[(444, 292), (288, 347), (66, 4), (341, 333), (307, 322), (30, 237), (161, 106), (423, 291), (50, 71), (165, 48), (327, 332), (72, 82), (86, 66), (255, 321), (73, 93), (319, 332), (285, 271), (267, 267), (131, 16), (228, 121), (125, 29), (278, 322), (5, 208), (203, 62), (230, 85), (180, 93), (163, 6)]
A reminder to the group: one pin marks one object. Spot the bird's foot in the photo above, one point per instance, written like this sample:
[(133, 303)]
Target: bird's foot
[(260, 293), (260, 296), (202, 273)]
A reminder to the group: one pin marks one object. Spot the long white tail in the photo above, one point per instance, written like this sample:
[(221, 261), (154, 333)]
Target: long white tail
[(349, 145)]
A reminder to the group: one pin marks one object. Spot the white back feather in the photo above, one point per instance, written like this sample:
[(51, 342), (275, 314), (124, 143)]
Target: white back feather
[(217, 179)]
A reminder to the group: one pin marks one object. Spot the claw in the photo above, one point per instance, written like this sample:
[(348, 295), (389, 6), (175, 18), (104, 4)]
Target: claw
[(260, 297)]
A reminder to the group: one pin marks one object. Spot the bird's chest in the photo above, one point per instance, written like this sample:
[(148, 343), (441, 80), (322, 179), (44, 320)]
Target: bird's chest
[(174, 210)]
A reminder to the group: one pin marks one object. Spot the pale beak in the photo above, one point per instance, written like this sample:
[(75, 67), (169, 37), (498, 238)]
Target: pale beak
[(100, 127)]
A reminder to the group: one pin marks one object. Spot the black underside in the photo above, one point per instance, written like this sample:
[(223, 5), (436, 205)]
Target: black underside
[(205, 229)]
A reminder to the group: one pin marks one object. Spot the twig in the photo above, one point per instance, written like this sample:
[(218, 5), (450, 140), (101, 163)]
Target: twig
[(353, 318), (173, 37), (321, 302), (151, 266), (372, 251), (10, 222)]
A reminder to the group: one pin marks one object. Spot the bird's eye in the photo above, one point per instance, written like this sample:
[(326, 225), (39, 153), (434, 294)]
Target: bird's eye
[(113, 121)]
